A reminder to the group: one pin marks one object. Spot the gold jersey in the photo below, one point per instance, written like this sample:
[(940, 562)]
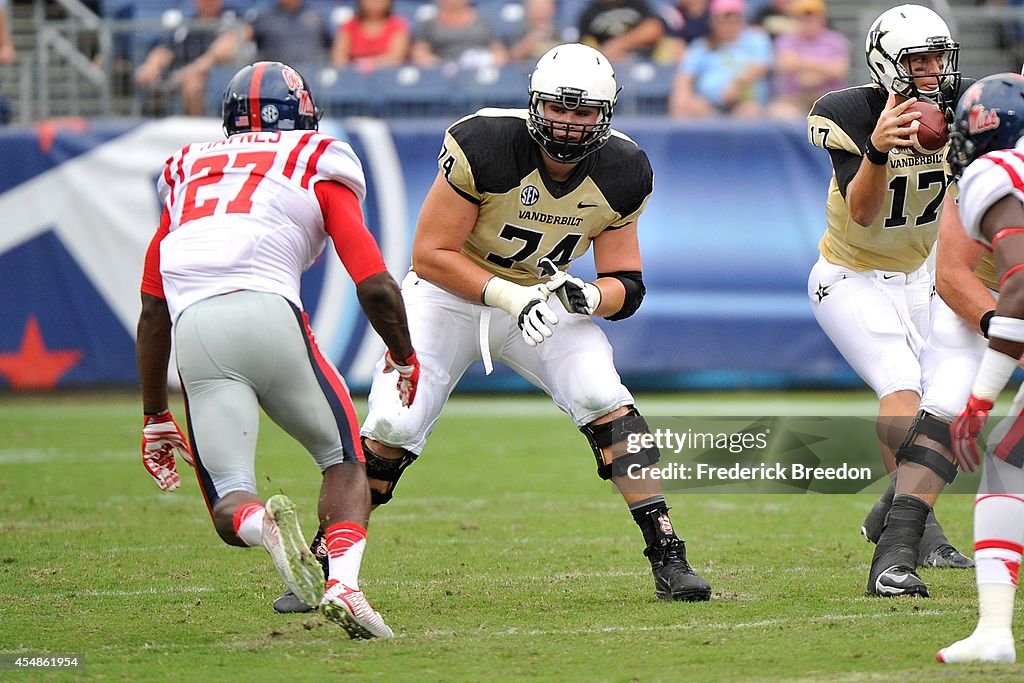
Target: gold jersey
[(986, 272), (902, 236), (490, 159)]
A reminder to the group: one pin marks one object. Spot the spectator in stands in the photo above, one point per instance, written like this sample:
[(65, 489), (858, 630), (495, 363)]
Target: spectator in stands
[(181, 62), (6, 43), (620, 28), (810, 61), (685, 21), (726, 72), (775, 18), (374, 37), (540, 31), (288, 31), (6, 57), (457, 34)]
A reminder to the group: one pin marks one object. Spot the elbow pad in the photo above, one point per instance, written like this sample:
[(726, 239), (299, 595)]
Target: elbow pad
[(633, 282)]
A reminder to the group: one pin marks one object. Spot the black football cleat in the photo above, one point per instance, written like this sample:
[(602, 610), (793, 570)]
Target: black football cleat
[(946, 557), (874, 522), (674, 578), (288, 602), (895, 581)]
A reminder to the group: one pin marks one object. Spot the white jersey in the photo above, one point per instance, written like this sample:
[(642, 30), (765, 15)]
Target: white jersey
[(244, 214), (986, 180)]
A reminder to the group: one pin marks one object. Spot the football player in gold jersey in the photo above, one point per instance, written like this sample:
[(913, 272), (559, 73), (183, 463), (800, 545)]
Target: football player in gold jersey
[(870, 288), (516, 187)]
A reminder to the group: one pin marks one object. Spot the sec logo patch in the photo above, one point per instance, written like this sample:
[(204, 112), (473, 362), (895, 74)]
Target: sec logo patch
[(269, 113), (529, 195)]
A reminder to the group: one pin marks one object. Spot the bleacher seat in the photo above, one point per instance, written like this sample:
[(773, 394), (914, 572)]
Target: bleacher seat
[(568, 13), (154, 19), (506, 17), (345, 91), (411, 91), (646, 87), (216, 81), (493, 87)]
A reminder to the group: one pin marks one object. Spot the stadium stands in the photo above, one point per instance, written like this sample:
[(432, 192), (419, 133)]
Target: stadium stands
[(132, 26)]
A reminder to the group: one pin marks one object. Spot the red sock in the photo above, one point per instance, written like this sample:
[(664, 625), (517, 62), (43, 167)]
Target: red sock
[(345, 544), (248, 523)]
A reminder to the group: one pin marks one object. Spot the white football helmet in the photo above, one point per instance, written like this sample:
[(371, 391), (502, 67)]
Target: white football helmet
[(908, 30), (572, 75)]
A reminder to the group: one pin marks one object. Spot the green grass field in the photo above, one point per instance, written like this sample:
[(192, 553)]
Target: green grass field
[(502, 557)]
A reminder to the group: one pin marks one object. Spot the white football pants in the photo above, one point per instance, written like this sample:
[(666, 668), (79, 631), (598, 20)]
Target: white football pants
[(574, 366)]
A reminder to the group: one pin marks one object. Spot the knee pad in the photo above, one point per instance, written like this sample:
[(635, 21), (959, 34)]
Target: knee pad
[(935, 429), (603, 435), (387, 470)]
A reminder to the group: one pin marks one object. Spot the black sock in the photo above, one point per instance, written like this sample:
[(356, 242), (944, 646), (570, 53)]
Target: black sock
[(652, 517), (933, 536), (319, 549), (902, 536)]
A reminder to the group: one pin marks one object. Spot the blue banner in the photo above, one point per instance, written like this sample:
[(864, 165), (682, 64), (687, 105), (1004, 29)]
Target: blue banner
[(728, 239)]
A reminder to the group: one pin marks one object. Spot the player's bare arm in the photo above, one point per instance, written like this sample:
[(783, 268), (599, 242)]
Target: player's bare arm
[(867, 192), (956, 257), (615, 251), (445, 222), (153, 352), (381, 300)]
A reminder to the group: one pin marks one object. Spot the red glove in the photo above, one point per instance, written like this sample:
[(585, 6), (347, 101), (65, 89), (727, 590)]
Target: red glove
[(408, 376), (160, 437), (964, 432)]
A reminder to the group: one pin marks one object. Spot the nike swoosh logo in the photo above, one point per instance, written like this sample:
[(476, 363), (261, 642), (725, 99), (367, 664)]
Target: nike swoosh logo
[(888, 277), (898, 578), (581, 205)]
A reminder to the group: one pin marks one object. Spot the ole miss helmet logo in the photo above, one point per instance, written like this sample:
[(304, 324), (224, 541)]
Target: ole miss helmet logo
[(980, 119), (292, 79)]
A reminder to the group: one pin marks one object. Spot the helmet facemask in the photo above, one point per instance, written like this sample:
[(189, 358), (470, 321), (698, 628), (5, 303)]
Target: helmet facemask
[(558, 138)]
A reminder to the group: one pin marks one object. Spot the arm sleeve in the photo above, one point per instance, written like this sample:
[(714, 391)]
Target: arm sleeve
[(343, 221), (152, 281), (846, 166)]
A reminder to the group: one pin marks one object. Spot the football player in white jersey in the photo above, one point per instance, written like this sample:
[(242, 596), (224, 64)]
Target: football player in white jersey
[(987, 146), (242, 219), (870, 288), (517, 189), (964, 303)]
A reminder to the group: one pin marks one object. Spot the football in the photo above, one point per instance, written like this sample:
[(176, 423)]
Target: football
[(931, 134)]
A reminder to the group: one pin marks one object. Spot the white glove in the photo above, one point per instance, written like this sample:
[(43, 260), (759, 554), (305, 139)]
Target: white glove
[(528, 305), (534, 321)]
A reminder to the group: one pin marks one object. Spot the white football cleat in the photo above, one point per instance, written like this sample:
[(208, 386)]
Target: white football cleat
[(349, 609), (283, 539), (996, 646)]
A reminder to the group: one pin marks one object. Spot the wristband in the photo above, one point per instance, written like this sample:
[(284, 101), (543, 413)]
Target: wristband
[(986, 320), (1005, 327), (993, 374), (874, 156)]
